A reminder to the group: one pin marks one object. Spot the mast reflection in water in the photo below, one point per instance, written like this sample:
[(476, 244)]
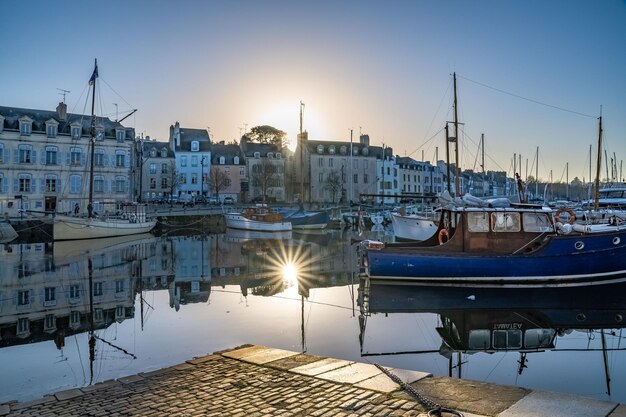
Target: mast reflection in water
[(78, 313)]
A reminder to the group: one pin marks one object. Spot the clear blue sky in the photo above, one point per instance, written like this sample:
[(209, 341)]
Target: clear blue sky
[(380, 67)]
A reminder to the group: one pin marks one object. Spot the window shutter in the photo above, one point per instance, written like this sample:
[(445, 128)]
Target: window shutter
[(34, 158), (33, 186), (105, 185), (127, 160), (42, 158), (16, 156), (67, 158), (6, 186), (42, 184), (105, 160), (59, 186), (7, 156), (126, 186), (16, 185), (83, 159)]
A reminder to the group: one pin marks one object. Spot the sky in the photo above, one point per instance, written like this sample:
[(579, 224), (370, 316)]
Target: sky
[(532, 76)]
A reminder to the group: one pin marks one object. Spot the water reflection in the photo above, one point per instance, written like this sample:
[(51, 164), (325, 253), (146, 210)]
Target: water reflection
[(504, 320)]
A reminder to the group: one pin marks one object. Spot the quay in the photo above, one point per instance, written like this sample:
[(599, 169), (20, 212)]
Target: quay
[(255, 381)]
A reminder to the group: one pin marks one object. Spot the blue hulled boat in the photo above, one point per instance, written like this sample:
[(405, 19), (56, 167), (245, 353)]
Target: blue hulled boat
[(303, 219), (516, 245)]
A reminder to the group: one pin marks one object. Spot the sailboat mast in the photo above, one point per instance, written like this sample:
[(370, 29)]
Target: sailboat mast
[(537, 175), (448, 157), (457, 170), (596, 204), (301, 156), (92, 134), (482, 139)]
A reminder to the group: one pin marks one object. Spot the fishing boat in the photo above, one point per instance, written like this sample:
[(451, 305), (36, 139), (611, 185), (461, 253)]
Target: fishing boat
[(128, 220), (304, 219), (412, 226), (259, 218)]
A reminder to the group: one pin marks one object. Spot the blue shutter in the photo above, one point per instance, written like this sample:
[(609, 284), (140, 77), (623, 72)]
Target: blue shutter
[(105, 160), (59, 186), (16, 185), (33, 185), (42, 184), (127, 186), (34, 158), (127, 160), (105, 184), (6, 156), (5, 186), (16, 156), (43, 157), (67, 158), (83, 159)]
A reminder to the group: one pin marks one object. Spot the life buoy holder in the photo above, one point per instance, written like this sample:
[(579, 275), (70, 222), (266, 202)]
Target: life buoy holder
[(443, 233), (572, 216)]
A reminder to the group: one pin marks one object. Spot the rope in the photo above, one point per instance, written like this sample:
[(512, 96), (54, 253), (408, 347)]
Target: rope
[(434, 408)]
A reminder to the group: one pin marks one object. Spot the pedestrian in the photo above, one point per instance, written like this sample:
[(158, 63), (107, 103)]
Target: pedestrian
[(76, 209)]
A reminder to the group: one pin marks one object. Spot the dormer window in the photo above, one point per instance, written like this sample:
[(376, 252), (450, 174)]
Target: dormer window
[(100, 133), (222, 160), (163, 152), (119, 135), (195, 146), (331, 149), (343, 150), (320, 149), (355, 151), (52, 128), (270, 155), (1, 123), (153, 153), (236, 160), (278, 155), (26, 126), (365, 151), (75, 130), (257, 154)]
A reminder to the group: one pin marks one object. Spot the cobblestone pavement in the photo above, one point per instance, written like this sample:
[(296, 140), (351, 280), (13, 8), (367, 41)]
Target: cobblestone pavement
[(255, 381)]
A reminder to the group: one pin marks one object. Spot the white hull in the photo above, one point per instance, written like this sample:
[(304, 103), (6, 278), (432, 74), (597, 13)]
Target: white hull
[(69, 228), (412, 227), (238, 221), (243, 235)]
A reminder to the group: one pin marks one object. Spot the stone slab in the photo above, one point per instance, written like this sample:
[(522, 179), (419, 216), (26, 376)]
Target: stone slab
[(407, 375), (620, 411), (240, 353), (321, 366), (351, 374), (545, 403), (67, 394), (130, 379), (5, 409), (267, 355), (380, 383)]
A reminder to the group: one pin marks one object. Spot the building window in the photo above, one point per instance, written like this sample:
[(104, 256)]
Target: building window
[(74, 292), (365, 178), (194, 178), (23, 298), (51, 184), (24, 183), (23, 326), (120, 312), (75, 132), (51, 130), (119, 135), (320, 162), (50, 322), (195, 146), (242, 171), (119, 286), (120, 159), (98, 315), (365, 163), (153, 183), (153, 168), (98, 158), (120, 184), (163, 168), (97, 289), (74, 318), (75, 154), (76, 184), (163, 152), (321, 177), (100, 133), (222, 160), (355, 163), (194, 161), (164, 184), (98, 184), (182, 179), (51, 155), (330, 162), (25, 128), (236, 160), (25, 154), (50, 297), (183, 161), (355, 178)]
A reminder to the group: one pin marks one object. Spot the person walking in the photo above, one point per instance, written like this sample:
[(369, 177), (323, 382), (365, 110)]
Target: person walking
[(76, 209)]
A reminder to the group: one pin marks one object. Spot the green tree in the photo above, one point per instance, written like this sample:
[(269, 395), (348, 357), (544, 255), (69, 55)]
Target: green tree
[(268, 134)]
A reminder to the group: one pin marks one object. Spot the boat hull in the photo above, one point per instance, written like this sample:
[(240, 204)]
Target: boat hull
[(564, 260), (238, 221), (412, 227), (308, 220), (71, 228)]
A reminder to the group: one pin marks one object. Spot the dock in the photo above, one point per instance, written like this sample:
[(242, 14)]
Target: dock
[(255, 381)]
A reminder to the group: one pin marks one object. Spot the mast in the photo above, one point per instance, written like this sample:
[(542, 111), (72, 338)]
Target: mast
[(92, 134), (596, 204), (448, 158), (537, 175), (482, 139), (301, 156), (457, 169)]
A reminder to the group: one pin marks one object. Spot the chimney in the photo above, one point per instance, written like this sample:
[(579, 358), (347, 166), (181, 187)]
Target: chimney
[(62, 111), (177, 134), (365, 140)]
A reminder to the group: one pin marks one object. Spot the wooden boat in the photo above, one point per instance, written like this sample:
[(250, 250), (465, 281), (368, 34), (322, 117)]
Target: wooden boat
[(412, 226), (518, 245), (259, 218), (131, 220)]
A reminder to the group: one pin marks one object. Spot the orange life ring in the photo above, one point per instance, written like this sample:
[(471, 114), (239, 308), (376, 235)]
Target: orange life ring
[(572, 216), (443, 232)]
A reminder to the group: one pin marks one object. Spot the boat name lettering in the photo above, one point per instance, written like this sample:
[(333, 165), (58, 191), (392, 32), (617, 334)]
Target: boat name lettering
[(507, 326)]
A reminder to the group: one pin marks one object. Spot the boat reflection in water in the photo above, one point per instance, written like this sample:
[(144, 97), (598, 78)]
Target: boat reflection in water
[(473, 320)]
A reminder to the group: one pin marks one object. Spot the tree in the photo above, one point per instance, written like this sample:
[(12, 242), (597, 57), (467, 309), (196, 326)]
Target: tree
[(334, 183), (218, 181), (172, 180), (268, 134), (264, 176)]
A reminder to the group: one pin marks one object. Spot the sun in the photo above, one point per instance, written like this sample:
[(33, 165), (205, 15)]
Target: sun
[(286, 117)]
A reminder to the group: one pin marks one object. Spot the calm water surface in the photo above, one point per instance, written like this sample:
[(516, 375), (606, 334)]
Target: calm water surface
[(158, 301)]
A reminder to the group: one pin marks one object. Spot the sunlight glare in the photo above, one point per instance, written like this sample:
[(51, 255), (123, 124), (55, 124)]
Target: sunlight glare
[(290, 273)]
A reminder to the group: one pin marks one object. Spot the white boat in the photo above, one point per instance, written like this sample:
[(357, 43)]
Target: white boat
[(259, 218), (412, 226), (132, 220), (7, 232), (241, 235)]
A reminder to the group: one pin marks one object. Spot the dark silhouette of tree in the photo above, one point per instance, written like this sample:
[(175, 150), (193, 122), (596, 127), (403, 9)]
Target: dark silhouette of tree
[(218, 181), (172, 180), (268, 134), (264, 175), (334, 183)]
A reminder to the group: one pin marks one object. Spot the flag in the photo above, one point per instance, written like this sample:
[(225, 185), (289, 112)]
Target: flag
[(92, 80)]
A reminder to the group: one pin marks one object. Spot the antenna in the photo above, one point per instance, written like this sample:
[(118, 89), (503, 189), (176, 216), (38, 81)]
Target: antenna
[(63, 93)]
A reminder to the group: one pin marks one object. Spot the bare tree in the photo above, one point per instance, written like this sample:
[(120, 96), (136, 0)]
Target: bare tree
[(264, 175), (334, 183), (218, 181), (172, 180)]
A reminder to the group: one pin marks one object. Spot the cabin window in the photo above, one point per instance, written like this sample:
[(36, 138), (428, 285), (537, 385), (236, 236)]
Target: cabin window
[(505, 222), (536, 222), (479, 339), (538, 338), (478, 222), (507, 339)]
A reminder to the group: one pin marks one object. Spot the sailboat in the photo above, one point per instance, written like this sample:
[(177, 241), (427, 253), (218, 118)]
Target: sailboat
[(130, 220)]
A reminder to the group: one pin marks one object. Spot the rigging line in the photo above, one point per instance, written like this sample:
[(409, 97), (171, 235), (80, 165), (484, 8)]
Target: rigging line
[(438, 108), (292, 299), (465, 134), (526, 98), (428, 140), (118, 94), (494, 368)]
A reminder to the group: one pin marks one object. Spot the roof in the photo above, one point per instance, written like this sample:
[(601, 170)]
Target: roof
[(229, 152), (331, 147), (40, 117)]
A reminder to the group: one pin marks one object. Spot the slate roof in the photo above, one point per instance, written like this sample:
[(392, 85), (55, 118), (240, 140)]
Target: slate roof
[(188, 135), (343, 148), (249, 148), (229, 152)]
